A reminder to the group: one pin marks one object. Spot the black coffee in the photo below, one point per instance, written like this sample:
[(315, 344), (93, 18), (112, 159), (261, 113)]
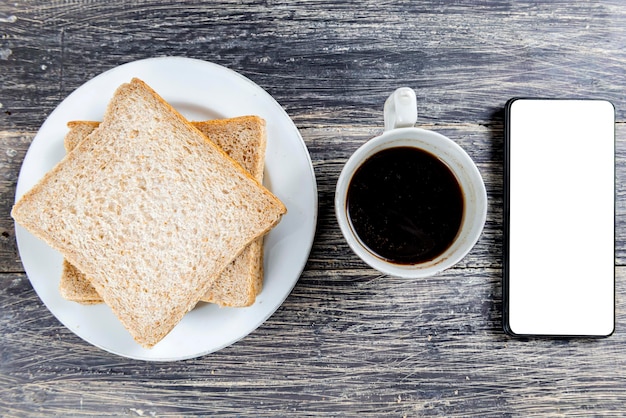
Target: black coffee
[(405, 205)]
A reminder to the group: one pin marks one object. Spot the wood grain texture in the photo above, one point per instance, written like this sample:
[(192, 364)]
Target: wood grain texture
[(348, 341)]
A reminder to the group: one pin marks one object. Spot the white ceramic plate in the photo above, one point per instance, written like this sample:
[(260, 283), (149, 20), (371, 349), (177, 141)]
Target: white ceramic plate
[(200, 91)]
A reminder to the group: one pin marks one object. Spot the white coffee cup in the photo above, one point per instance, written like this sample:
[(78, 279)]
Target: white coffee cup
[(400, 113)]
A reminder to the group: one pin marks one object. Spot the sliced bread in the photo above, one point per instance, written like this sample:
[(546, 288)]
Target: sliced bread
[(243, 138), (148, 209)]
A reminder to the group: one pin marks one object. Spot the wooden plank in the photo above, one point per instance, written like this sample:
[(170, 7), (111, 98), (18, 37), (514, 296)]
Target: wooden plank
[(329, 63), (14, 147), (358, 343)]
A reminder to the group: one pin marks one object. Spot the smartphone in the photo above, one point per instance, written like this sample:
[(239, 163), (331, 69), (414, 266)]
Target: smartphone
[(559, 218)]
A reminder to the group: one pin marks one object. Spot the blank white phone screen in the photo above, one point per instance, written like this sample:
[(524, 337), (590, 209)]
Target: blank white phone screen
[(561, 217)]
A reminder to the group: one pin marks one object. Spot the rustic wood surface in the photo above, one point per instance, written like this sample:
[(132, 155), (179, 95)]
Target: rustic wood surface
[(347, 341)]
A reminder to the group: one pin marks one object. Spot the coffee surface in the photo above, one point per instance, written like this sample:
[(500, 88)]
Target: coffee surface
[(405, 205)]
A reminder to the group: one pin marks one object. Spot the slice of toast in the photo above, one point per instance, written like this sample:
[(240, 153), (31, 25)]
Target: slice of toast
[(149, 210), (241, 280), (243, 138)]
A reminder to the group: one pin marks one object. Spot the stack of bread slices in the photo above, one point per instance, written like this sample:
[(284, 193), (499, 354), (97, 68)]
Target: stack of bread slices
[(153, 213)]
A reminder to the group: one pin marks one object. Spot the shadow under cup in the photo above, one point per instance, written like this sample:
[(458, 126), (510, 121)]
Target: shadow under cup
[(474, 200)]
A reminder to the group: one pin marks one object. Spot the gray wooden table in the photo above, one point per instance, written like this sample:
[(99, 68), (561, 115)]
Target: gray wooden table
[(347, 341)]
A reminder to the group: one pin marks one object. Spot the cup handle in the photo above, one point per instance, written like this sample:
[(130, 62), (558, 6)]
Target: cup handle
[(400, 109)]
